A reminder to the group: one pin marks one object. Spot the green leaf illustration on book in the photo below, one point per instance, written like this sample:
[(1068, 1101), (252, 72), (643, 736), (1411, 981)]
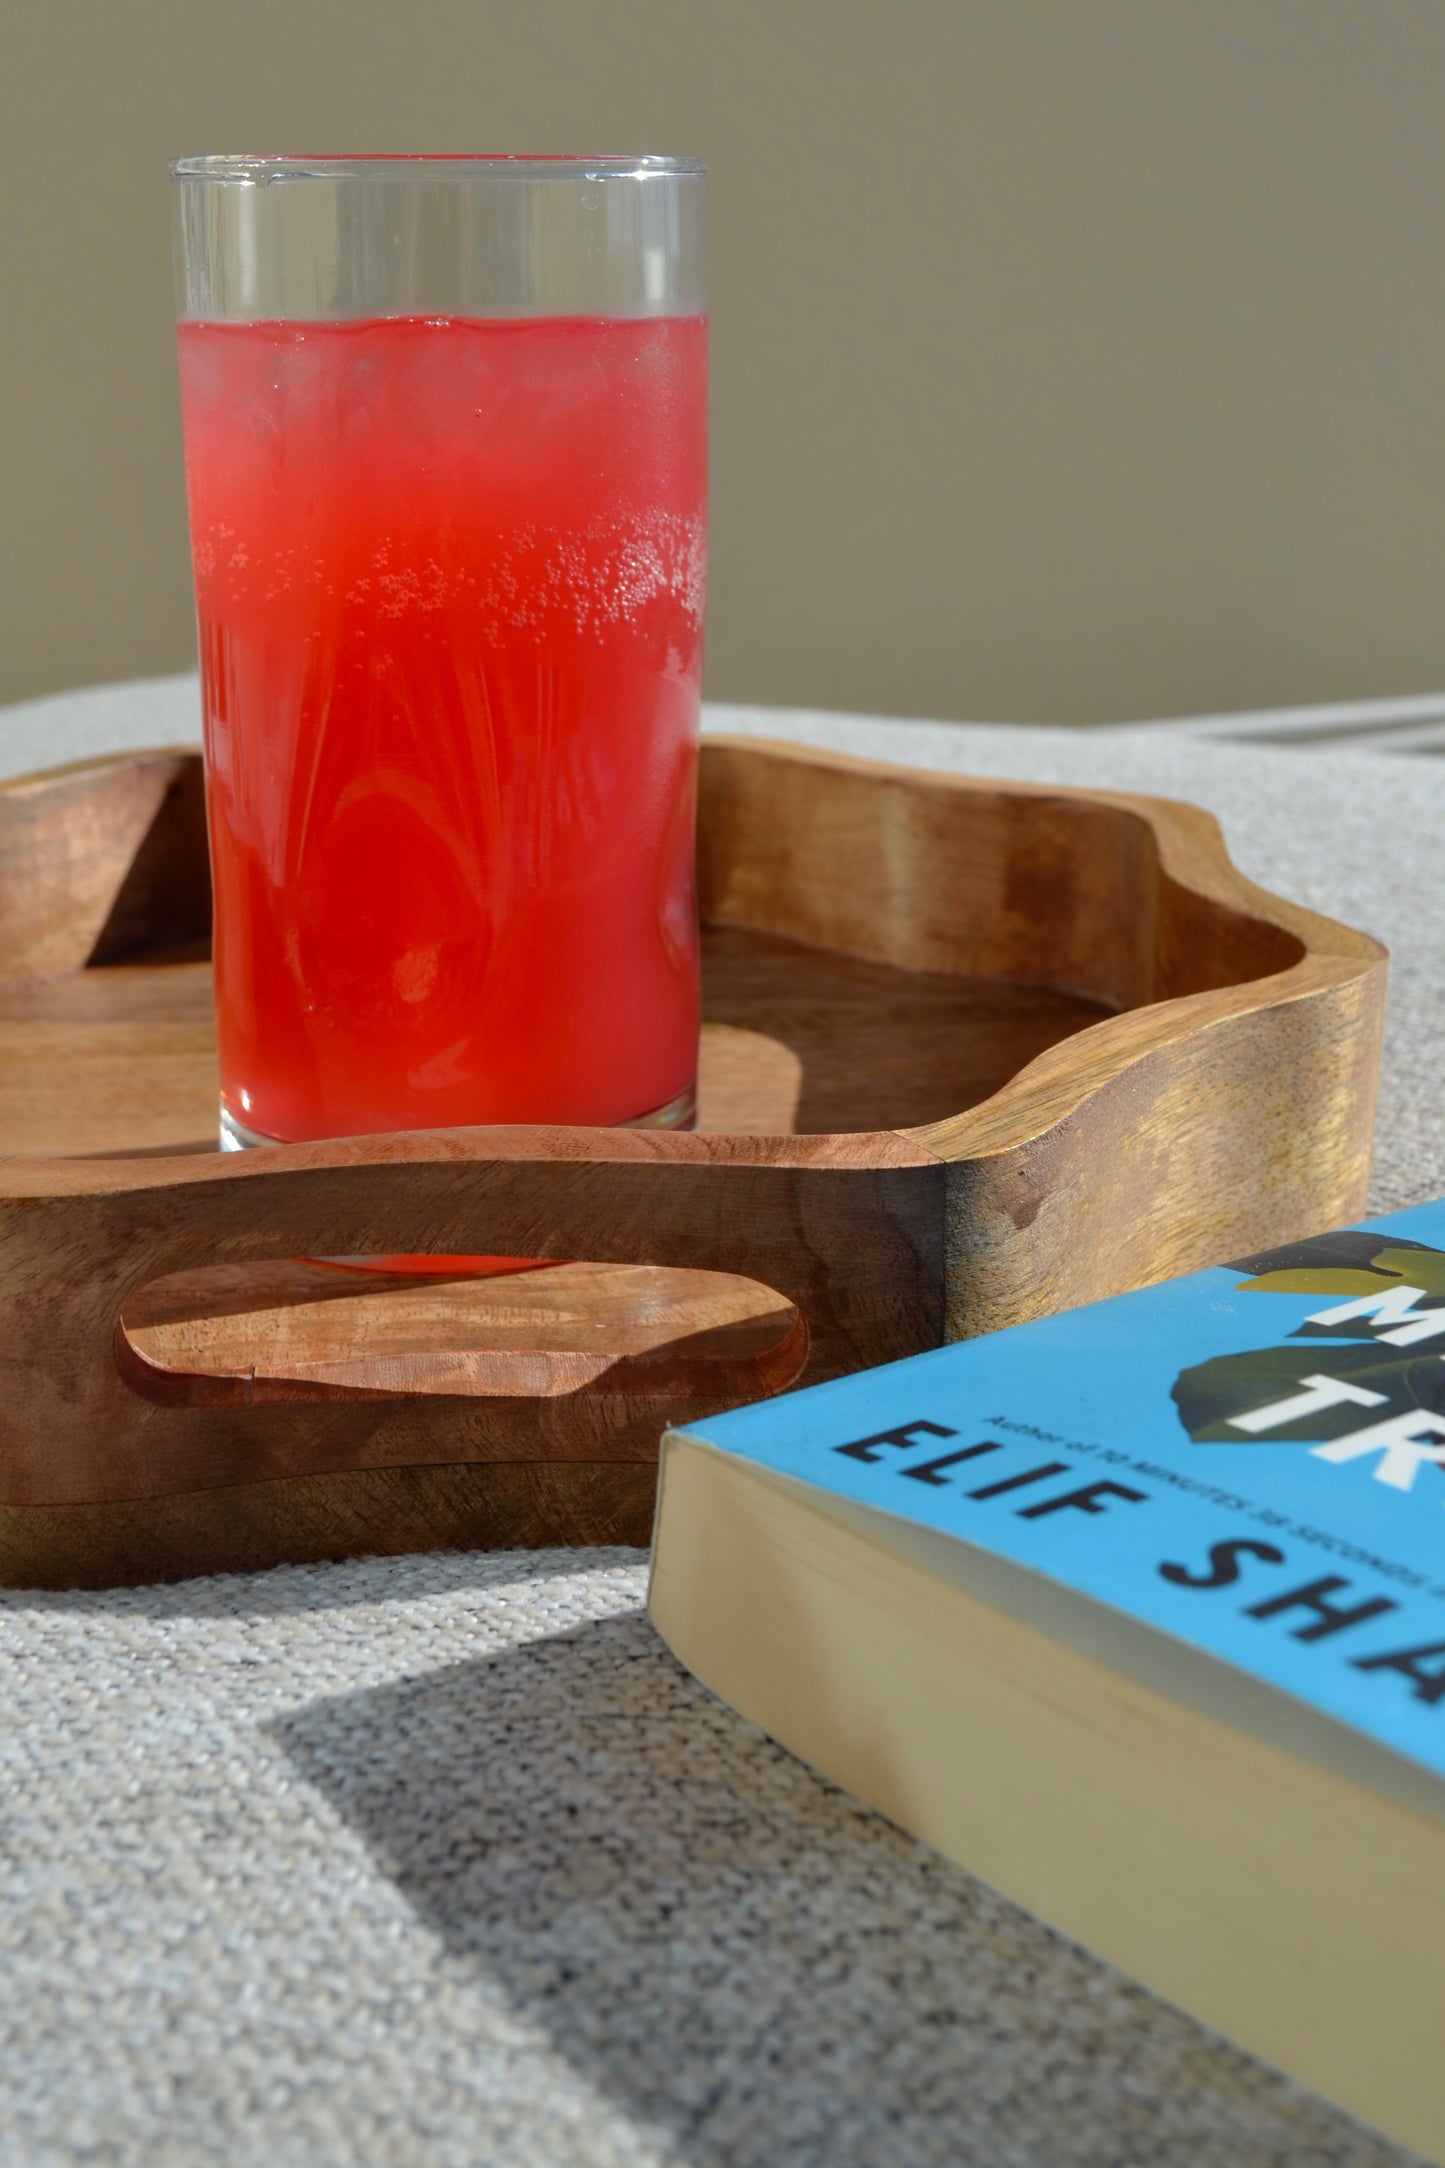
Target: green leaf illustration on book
[(1350, 1266), (1209, 1394), (1352, 1253)]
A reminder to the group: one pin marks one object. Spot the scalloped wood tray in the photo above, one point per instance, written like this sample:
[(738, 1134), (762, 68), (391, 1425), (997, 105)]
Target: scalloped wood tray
[(973, 1051)]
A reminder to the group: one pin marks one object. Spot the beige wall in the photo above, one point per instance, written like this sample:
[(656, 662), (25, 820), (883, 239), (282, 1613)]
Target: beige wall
[(1073, 358)]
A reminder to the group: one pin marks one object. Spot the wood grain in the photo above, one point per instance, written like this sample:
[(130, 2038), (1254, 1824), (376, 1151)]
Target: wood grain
[(123, 1059), (100, 859), (503, 1505), (797, 1039), (973, 1051), (232, 1334)]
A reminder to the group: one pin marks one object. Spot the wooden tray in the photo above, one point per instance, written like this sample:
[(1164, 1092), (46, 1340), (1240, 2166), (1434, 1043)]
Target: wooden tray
[(973, 1051)]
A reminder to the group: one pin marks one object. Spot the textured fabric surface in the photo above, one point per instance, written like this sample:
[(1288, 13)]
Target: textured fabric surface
[(445, 1860)]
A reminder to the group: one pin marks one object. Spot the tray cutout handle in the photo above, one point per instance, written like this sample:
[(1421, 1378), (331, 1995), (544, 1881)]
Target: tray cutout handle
[(836, 1266), (291, 1330)]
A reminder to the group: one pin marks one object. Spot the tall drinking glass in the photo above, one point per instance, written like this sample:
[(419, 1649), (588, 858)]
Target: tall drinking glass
[(446, 463)]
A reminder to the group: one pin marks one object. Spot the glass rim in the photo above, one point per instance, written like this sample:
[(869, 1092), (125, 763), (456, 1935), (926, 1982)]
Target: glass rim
[(249, 169)]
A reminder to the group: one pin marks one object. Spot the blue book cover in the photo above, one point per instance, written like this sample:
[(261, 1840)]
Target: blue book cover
[(1250, 1461)]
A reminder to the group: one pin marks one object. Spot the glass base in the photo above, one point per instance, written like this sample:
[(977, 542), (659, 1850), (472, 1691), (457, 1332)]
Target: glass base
[(678, 1113)]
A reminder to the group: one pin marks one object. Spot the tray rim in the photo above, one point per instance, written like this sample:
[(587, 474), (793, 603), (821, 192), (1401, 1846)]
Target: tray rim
[(1046, 1091)]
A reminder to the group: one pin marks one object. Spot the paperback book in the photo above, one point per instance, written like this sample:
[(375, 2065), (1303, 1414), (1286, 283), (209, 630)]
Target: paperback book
[(1137, 1612)]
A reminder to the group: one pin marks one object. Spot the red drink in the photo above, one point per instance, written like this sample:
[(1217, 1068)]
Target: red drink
[(449, 583)]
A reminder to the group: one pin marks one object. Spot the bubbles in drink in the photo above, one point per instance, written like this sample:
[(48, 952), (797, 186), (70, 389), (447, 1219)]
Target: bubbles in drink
[(450, 580)]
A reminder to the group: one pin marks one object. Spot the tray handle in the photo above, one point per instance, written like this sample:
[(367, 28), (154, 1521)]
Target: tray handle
[(856, 1250)]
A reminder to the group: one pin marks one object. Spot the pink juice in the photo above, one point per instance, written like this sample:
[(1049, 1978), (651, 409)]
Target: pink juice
[(449, 579)]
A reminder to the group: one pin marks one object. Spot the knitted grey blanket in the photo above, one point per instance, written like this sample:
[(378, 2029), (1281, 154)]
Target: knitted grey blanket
[(445, 1860)]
